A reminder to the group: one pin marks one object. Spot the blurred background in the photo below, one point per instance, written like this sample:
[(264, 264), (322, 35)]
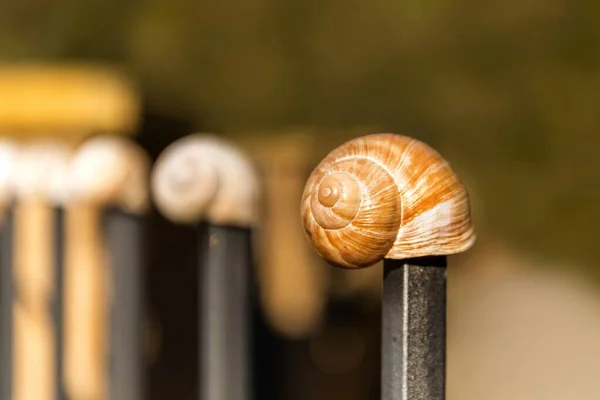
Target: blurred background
[(508, 91)]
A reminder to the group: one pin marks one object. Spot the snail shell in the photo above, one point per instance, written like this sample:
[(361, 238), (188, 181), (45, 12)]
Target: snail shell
[(41, 172), (8, 162), (110, 170), (203, 177), (385, 196)]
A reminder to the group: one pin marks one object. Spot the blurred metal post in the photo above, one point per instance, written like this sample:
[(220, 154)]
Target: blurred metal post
[(6, 304), (120, 195), (224, 312), (124, 236), (58, 302)]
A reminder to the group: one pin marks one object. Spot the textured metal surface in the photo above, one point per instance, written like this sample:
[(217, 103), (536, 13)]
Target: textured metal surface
[(225, 307), (124, 235), (6, 304), (58, 266), (414, 329)]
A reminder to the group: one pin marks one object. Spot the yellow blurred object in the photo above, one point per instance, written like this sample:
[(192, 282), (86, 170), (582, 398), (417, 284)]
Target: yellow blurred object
[(65, 100), (33, 332), (293, 284), (87, 311)]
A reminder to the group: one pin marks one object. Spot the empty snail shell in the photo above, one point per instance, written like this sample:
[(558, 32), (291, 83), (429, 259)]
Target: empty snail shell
[(203, 177), (110, 170), (385, 196), (41, 171)]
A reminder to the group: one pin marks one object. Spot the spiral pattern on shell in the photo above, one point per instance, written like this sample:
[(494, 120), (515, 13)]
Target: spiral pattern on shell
[(385, 196), (204, 177)]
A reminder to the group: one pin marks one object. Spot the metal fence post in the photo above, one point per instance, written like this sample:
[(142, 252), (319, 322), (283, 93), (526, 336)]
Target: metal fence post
[(207, 182)]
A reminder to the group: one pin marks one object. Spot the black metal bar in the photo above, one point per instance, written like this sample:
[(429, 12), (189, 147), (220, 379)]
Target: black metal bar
[(124, 235), (414, 329), (6, 304), (172, 298), (58, 301), (225, 305)]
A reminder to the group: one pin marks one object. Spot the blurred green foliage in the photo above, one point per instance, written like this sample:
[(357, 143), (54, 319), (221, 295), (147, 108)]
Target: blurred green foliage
[(507, 90)]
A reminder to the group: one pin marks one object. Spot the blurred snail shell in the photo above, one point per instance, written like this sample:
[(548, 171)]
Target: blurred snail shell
[(8, 162), (110, 170), (41, 171), (385, 196), (203, 177)]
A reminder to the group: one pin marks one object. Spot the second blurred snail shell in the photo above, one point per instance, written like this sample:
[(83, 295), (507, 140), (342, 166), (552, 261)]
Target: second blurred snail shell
[(385, 196), (203, 176)]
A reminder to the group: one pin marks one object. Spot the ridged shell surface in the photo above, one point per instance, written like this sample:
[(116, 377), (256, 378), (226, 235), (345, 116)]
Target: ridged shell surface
[(385, 196)]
